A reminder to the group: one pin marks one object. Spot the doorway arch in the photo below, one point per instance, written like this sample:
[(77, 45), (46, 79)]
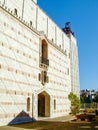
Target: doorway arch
[(43, 104)]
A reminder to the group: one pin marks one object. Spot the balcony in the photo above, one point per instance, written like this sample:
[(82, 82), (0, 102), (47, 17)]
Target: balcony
[(44, 61)]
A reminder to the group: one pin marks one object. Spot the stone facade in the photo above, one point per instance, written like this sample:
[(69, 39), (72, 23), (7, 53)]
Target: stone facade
[(74, 69), (35, 75)]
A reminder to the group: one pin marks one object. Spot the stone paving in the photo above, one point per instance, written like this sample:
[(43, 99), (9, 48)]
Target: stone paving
[(61, 123)]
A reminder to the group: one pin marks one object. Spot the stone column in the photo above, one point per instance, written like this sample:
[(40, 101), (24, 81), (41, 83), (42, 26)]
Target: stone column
[(35, 106)]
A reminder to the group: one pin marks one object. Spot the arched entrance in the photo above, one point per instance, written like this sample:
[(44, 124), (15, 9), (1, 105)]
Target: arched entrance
[(43, 104)]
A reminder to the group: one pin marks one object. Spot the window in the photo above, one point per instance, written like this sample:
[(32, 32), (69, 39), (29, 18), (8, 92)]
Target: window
[(39, 76), (28, 104), (69, 55), (15, 11), (52, 39), (30, 23), (68, 71), (47, 79), (45, 76), (44, 49), (44, 53), (54, 104)]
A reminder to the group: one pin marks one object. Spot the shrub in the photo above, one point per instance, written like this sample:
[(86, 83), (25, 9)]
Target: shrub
[(96, 112), (75, 103)]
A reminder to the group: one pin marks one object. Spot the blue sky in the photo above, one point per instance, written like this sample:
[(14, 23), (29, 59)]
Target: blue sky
[(83, 15)]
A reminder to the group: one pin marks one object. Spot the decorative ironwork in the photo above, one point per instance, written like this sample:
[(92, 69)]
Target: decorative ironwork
[(45, 61)]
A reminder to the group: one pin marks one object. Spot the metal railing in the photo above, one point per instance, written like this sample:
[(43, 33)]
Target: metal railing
[(44, 61), (89, 105)]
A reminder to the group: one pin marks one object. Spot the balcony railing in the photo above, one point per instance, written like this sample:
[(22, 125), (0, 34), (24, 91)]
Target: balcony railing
[(45, 61)]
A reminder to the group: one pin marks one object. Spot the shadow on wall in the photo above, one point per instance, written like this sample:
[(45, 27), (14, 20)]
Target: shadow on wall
[(21, 118)]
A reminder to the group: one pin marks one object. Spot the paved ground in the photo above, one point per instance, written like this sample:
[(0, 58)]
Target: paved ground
[(60, 123)]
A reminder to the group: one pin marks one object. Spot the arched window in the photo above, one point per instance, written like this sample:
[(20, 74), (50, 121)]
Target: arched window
[(54, 104), (44, 49), (15, 11), (44, 53), (28, 104), (30, 23)]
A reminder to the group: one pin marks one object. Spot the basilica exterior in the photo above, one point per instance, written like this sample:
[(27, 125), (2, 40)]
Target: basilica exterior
[(38, 63)]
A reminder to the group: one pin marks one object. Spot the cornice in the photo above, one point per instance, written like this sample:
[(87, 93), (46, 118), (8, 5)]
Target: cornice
[(26, 24)]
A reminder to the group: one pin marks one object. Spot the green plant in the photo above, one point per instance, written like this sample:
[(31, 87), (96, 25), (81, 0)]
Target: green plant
[(94, 105), (75, 103)]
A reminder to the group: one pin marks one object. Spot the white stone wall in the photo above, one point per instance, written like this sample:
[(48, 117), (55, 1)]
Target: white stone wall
[(19, 68), (59, 37), (41, 21), (2, 1), (14, 4), (35, 1), (66, 44), (74, 67), (59, 80), (20, 46), (29, 11), (51, 31)]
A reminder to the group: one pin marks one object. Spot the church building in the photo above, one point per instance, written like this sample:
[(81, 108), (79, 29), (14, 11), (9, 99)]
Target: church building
[(38, 63)]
